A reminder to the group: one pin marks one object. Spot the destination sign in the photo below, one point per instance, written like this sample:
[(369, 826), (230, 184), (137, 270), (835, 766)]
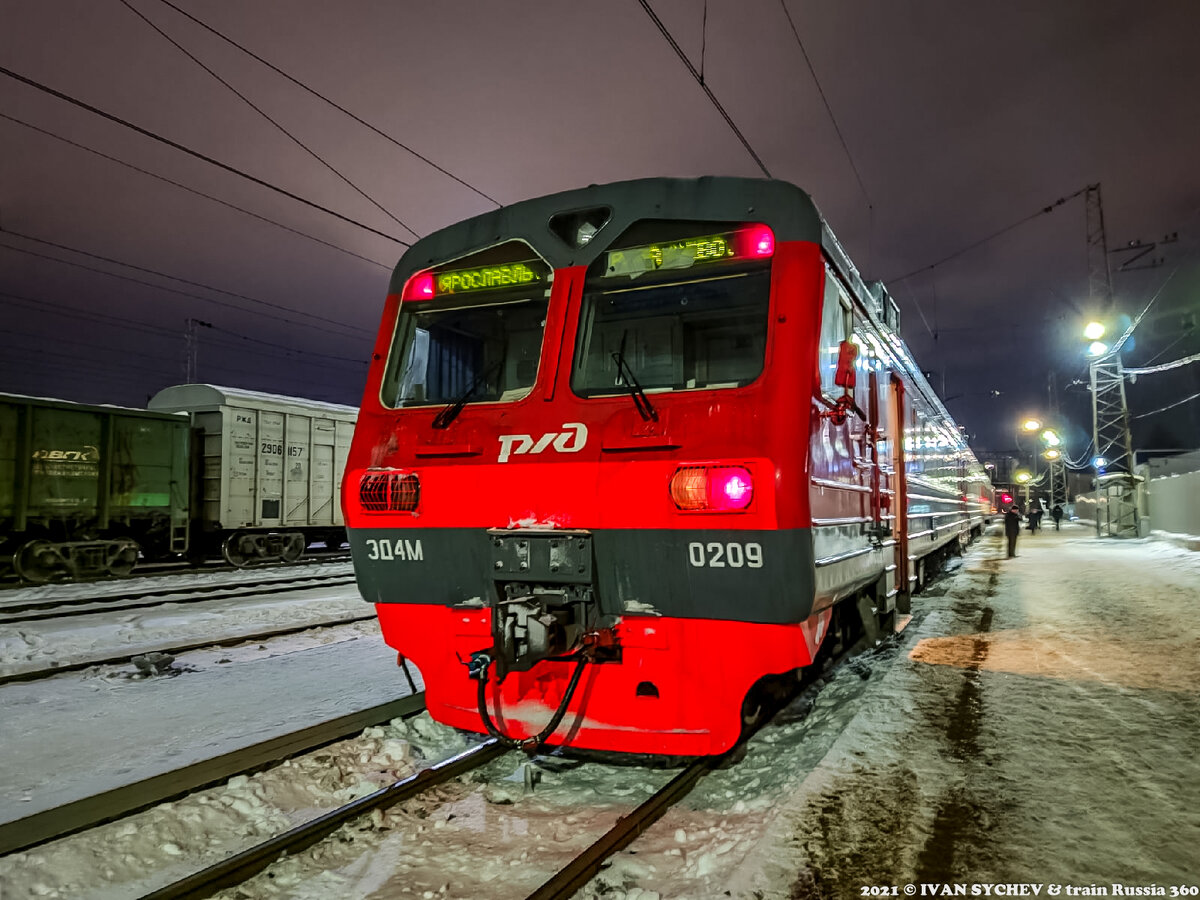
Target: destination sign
[(458, 281), (670, 255)]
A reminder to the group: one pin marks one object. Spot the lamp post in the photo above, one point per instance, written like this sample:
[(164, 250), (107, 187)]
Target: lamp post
[(1110, 433), (1053, 456)]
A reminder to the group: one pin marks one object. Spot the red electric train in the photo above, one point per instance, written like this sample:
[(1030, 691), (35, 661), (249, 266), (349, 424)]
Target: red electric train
[(630, 455)]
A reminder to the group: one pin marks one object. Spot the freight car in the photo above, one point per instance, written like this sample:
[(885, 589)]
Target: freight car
[(206, 472), (630, 457), (267, 471), (88, 488)]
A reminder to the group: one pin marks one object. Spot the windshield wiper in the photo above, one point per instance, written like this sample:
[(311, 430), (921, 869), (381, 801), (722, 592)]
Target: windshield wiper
[(450, 413), (640, 400)]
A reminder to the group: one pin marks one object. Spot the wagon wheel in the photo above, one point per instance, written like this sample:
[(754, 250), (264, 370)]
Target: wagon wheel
[(233, 550), (40, 562), (122, 557), (293, 548)]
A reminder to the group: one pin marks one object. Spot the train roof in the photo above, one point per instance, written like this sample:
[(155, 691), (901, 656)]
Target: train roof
[(211, 397), (59, 403), (786, 208)]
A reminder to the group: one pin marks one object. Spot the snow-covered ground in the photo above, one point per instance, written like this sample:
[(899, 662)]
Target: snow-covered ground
[(1036, 724), (43, 644)]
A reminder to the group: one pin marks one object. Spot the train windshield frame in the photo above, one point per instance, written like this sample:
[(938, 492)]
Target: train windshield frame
[(472, 332), (682, 314)]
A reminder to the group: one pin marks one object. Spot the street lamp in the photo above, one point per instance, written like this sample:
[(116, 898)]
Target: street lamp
[(1050, 442)]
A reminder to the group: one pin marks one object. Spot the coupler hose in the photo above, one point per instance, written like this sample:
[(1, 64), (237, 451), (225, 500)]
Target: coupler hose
[(482, 663)]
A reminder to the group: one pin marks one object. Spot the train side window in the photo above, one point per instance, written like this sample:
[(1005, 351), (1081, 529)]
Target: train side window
[(835, 328)]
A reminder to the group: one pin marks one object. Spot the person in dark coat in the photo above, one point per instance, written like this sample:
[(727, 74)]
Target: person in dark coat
[(1056, 514), (1012, 528)]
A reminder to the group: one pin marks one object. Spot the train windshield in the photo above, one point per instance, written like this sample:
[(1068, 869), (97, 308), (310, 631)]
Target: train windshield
[(681, 313), (469, 333)]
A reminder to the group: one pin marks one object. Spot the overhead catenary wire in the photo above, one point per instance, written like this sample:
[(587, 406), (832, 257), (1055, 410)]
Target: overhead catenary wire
[(191, 190), (1120, 342), (1154, 412), (335, 105), (704, 87), (74, 101), (263, 113), (828, 109), (254, 300), (1174, 364), (995, 234)]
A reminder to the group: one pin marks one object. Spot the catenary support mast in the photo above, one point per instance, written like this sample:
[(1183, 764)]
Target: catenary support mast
[(1116, 500)]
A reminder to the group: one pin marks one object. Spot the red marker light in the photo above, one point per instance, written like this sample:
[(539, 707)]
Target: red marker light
[(712, 488), (729, 488), (418, 287), (759, 241)]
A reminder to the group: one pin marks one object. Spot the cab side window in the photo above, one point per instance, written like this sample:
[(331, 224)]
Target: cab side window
[(835, 328)]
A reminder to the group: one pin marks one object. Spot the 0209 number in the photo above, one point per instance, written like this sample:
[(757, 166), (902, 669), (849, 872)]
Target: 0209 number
[(733, 555)]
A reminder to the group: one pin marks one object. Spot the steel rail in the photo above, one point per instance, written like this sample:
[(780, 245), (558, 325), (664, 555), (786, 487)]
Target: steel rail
[(10, 581), (83, 607), (69, 818), (176, 649), (241, 866), (568, 880)]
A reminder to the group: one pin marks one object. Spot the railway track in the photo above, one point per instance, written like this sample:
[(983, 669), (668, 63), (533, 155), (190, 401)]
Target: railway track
[(563, 884), (36, 609), (57, 668), (60, 821), (10, 581)]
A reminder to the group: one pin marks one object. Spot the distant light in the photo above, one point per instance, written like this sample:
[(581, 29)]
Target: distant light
[(1050, 438), (1097, 348), (1051, 454), (1023, 477), (1031, 425), (1099, 462), (1094, 331)]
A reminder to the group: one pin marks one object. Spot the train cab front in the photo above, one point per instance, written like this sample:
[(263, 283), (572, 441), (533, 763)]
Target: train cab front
[(561, 494)]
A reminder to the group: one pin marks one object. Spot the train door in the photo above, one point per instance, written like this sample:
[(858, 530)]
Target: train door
[(896, 420)]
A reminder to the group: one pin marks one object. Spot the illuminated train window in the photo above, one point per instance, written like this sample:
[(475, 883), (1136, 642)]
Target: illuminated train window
[(684, 305), (470, 331)]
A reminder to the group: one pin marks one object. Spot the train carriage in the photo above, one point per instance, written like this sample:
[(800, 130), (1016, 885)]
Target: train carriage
[(629, 453), (267, 473), (85, 489)]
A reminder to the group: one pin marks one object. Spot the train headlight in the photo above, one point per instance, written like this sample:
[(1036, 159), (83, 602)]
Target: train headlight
[(389, 491), (712, 488)]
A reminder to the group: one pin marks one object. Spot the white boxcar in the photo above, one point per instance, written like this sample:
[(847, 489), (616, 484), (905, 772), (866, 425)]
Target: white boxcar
[(271, 468)]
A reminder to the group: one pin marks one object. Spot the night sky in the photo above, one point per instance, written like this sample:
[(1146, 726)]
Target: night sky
[(928, 127)]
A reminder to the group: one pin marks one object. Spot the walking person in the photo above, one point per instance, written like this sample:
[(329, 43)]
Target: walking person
[(1012, 528), (1056, 514)]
